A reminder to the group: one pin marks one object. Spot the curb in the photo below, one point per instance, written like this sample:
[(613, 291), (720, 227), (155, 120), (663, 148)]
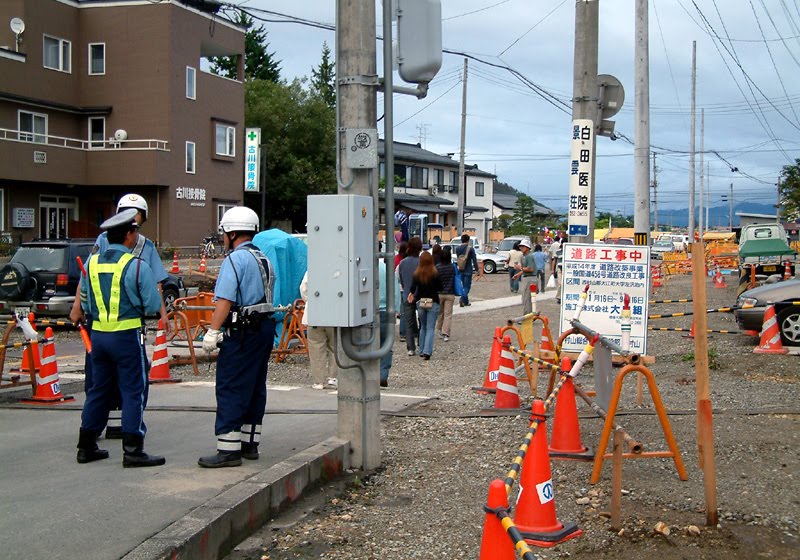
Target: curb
[(211, 530)]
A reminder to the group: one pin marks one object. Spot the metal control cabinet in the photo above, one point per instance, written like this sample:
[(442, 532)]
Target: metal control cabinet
[(340, 268)]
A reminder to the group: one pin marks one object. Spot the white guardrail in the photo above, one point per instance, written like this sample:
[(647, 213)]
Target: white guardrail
[(77, 144)]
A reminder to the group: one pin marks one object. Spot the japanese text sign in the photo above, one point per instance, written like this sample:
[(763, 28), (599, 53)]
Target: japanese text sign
[(611, 272), (580, 173), (252, 159)]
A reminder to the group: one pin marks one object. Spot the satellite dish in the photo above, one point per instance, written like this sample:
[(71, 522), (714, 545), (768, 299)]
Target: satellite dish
[(17, 26), (120, 135)]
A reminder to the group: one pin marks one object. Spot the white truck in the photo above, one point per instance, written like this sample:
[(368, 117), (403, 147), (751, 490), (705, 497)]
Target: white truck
[(767, 247)]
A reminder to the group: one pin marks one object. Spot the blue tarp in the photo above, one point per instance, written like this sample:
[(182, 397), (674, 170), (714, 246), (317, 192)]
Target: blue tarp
[(289, 258)]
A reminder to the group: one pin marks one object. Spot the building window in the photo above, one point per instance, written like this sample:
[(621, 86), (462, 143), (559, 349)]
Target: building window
[(32, 127), (190, 157), (438, 180), (55, 214), (97, 59), (97, 132), (225, 140), (453, 185), (191, 83), (479, 188), (221, 209), (57, 54), (419, 177)]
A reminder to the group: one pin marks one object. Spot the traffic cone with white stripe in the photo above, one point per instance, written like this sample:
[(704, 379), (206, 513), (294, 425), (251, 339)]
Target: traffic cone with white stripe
[(535, 514), (159, 368), (507, 395), (787, 271), (546, 350), (175, 268), (770, 335), (202, 263), (490, 379), (48, 385), (719, 281)]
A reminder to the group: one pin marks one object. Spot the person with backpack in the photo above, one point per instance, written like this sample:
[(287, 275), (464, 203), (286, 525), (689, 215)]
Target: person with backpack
[(467, 264), (447, 274)]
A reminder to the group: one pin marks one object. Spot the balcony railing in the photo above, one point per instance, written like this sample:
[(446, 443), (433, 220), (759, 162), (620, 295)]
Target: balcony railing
[(78, 144)]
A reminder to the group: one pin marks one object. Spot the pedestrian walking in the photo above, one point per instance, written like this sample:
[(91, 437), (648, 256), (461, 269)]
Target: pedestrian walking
[(541, 261), (243, 327), (118, 291), (514, 258), (386, 325), (405, 272), (424, 294), (145, 250), (402, 248), (321, 347), (467, 264), (527, 275), (447, 274)]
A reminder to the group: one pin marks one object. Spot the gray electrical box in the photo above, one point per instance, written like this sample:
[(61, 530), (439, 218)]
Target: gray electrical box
[(340, 260), (362, 148), (419, 39)]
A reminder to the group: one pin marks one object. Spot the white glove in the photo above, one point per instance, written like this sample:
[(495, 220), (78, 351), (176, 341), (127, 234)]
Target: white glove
[(27, 329), (211, 339)]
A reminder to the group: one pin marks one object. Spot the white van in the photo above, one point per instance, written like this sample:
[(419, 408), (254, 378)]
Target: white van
[(508, 243), (679, 242), (474, 241)]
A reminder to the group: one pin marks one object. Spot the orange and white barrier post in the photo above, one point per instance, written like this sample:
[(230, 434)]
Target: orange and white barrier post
[(582, 302), (626, 323)]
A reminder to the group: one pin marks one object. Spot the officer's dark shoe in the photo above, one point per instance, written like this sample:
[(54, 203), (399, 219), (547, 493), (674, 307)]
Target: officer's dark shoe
[(87, 447), (114, 432), (221, 459), (249, 451), (134, 455)]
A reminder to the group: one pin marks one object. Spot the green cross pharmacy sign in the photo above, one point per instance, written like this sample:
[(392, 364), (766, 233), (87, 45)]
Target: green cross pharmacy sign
[(252, 159)]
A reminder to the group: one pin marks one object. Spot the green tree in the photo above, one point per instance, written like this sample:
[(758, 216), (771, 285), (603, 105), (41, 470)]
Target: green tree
[(524, 218), (790, 192), (297, 130), (323, 77), (259, 63)]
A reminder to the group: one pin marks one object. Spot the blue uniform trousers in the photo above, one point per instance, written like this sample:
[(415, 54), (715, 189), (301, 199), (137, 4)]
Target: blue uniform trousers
[(242, 382), (119, 365), (116, 401)]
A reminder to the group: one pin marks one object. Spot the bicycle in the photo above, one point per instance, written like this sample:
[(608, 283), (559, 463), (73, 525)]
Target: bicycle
[(207, 247)]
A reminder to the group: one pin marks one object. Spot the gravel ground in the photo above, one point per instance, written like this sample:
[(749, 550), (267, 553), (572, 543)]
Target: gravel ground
[(426, 499)]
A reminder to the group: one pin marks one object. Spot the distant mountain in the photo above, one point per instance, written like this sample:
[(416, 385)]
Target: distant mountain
[(505, 188), (718, 216)]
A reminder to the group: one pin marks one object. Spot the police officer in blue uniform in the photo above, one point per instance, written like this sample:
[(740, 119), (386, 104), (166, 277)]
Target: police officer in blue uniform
[(146, 250), (243, 327), (118, 291)]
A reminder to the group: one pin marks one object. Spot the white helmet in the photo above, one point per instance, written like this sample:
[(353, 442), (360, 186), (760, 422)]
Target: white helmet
[(133, 201), (239, 218)]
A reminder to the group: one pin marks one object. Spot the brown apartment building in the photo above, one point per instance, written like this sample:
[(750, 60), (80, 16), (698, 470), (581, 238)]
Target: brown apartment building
[(99, 98)]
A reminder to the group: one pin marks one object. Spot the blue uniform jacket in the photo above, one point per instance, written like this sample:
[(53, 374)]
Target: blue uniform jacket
[(149, 255)]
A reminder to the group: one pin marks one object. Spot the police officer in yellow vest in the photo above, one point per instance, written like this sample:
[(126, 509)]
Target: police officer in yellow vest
[(119, 292)]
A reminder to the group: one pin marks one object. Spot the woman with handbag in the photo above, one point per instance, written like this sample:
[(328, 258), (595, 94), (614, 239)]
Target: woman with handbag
[(424, 291), (447, 274)]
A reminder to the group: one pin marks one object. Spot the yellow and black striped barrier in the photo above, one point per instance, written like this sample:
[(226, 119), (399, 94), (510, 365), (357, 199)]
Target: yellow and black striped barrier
[(688, 313), (517, 540), (654, 301), (680, 329)]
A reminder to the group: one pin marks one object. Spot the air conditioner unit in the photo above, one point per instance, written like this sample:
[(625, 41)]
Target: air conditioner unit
[(432, 190)]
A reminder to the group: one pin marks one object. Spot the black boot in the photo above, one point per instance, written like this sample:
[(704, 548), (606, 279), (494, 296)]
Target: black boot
[(87, 447), (221, 459), (250, 451), (134, 455)]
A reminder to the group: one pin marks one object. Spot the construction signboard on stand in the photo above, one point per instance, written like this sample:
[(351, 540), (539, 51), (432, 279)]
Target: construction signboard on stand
[(611, 271)]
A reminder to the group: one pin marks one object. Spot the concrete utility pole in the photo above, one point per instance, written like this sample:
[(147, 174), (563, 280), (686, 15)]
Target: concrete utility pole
[(702, 174), (655, 194), (585, 102), (462, 184), (778, 202), (358, 420), (641, 150), (730, 210), (691, 143)]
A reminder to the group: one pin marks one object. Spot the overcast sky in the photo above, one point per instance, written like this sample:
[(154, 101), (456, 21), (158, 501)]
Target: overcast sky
[(746, 84)]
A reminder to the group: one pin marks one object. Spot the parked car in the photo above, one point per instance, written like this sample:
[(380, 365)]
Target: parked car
[(785, 295), (679, 242), (660, 247), (508, 243), (43, 277), (492, 262), (474, 242)]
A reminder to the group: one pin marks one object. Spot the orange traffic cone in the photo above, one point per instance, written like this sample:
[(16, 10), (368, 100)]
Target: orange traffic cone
[(691, 331), (770, 335), (202, 263), (719, 281), (490, 379), (159, 368), (657, 282), (507, 393), (535, 514), (31, 363), (48, 386), (566, 439), (175, 268), (495, 543), (787, 271), (546, 349)]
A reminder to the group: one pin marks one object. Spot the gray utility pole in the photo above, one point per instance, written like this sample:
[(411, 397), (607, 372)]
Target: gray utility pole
[(462, 183), (730, 210), (655, 194), (585, 102), (691, 143), (641, 150), (702, 175), (778, 202), (358, 420)]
